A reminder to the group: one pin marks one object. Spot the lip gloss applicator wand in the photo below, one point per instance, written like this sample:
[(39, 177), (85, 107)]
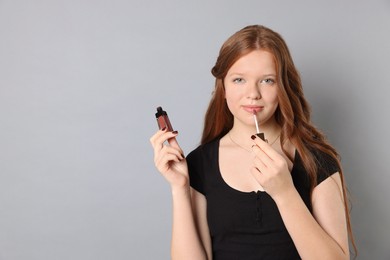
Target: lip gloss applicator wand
[(261, 135)]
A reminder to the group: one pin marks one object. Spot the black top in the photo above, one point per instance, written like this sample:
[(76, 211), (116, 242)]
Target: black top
[(247, 225)]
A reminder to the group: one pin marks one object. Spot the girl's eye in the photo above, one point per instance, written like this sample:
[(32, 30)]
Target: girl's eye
[(238, 80), (268, 81)]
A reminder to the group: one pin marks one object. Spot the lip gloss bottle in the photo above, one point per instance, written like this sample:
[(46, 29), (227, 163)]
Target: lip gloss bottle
[(163, 120)]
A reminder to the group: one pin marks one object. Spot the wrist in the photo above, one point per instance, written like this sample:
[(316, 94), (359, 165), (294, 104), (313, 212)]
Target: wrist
[(286, 197), (180, 189)]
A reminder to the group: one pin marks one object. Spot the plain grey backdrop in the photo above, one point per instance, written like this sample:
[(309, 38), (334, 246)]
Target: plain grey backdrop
[(79, 85)]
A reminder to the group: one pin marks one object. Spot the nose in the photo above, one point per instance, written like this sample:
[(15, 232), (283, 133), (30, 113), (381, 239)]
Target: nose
[(253, 92)]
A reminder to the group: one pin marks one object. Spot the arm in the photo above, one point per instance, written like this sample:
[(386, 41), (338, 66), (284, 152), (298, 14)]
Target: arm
[(199, 205), (322, 235), (186, 242), (187, 228)]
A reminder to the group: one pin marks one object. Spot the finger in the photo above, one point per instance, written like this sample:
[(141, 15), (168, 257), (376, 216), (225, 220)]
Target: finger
[(157, 135), (172, 152), (257, 174), (174, 143), (260, 165), (160, 139), (163, 166), (265, 147), (164, 163), (260, 154), (166, 158)]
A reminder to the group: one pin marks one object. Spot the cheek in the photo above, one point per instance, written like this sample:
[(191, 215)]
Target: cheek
[(232, 101), (231, 95), (271, 96), (229, 101)]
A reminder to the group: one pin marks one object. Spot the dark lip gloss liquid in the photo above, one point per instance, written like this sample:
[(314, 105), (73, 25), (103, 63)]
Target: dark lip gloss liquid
[(163, 120), (261, 135)]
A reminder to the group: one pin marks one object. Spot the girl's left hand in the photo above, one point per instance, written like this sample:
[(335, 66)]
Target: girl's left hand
[(270, 169)]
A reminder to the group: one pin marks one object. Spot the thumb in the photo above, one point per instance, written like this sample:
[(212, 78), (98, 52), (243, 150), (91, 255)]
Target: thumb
[(174, 143)]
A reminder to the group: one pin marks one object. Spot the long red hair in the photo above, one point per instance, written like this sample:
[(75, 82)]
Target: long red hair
[(293, 112)]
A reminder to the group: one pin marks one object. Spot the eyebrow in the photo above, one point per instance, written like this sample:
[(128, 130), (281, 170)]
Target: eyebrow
[(268, 75), (242, 74)]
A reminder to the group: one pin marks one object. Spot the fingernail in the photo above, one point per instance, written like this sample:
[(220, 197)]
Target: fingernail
[(175, 132), (163, 129), (253, 137)]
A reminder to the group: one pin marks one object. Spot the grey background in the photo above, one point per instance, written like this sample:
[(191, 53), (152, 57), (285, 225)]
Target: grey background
[(79, 84)]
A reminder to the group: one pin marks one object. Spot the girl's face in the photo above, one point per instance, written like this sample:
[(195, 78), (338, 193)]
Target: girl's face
[(250, 85)]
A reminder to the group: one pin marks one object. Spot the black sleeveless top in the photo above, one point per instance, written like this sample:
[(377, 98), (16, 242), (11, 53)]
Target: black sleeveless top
[(247, 225)]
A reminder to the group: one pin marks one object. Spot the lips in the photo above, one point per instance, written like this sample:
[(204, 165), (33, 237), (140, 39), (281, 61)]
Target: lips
[(250, 109)]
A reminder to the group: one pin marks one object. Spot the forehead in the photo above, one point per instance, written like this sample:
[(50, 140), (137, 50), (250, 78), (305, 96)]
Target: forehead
[(257, 61)]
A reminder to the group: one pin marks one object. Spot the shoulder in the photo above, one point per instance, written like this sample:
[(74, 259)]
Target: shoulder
[(203, 151), (199, 161), (202, 157), (327, 164), (326, 161)]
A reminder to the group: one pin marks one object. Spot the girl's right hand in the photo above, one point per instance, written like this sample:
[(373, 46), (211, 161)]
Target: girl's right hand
[(169, 158)]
